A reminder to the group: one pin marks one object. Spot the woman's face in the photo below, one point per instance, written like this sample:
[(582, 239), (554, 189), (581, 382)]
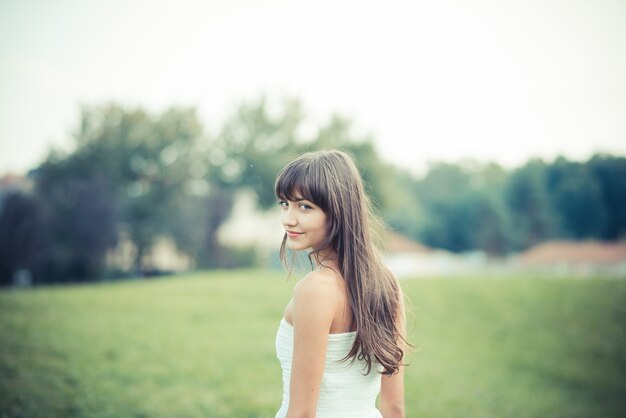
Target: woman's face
[(304, 223)]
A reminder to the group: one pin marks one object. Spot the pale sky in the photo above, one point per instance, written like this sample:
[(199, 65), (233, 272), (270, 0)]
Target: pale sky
[(439, 80)]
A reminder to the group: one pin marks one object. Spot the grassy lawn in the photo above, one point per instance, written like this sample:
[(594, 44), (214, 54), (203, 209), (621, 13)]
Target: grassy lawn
[(202, 345)]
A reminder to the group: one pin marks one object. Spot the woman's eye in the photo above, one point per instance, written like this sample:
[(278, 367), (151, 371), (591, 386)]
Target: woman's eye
[(283, 204), (305, 206)]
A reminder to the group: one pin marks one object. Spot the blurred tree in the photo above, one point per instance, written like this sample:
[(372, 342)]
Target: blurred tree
[(218, 208), (489, 223), (259, 140), (576, 198), (152, 175), (253, 145), (527, 198), (610, 173), (443, 182), (403, 210), (145, 169), (440, 192), (463, 208), (20, 234), (78, 222), (495, 233)]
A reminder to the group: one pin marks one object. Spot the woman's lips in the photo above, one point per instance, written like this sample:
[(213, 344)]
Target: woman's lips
[(292, 234)]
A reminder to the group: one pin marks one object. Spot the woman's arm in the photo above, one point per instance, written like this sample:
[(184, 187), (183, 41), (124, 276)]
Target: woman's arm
[(392, 387), (314, 301)]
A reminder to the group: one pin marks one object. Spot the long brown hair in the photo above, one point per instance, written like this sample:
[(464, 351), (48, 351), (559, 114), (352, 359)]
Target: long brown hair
[(330, 180)]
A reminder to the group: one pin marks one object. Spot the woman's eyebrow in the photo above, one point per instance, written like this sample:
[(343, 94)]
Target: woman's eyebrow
[(299, 200)]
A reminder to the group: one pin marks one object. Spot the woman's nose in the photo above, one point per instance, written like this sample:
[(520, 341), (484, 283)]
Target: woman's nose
[(288, 219)]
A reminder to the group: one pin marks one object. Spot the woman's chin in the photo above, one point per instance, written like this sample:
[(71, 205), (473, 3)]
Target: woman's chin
[(294, 246)]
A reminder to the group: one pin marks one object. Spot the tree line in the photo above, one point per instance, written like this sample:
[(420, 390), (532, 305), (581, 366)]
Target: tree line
[(142, 176)]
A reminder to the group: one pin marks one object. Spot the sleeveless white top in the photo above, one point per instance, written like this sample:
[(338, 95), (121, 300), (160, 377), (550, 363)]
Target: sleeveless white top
[(344, 392)]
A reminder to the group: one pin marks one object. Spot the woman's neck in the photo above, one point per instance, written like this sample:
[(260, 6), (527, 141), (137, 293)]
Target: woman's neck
[(325, 259)]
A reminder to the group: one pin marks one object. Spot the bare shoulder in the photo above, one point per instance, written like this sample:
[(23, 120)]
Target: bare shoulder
[(315, 296), (316, 284)]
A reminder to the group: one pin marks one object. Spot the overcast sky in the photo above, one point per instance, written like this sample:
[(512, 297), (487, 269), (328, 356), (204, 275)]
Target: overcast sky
[(439, 80)]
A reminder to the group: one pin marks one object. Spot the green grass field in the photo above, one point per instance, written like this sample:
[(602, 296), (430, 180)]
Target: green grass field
[(202, 345)]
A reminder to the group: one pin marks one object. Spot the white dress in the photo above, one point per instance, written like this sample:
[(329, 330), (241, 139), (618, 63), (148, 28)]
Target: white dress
[(344, 392)]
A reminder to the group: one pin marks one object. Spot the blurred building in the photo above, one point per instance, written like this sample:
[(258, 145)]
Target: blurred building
[(408, 258), (248, 227), (162, 257), (576, 258)]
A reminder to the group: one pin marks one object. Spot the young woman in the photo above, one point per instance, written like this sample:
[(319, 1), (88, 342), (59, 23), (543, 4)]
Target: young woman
[(341, 342)]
